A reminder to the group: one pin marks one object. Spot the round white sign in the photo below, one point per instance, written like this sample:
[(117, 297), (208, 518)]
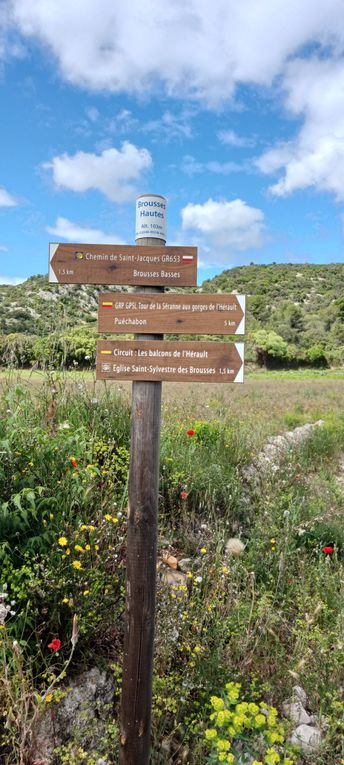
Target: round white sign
[(151, 216)]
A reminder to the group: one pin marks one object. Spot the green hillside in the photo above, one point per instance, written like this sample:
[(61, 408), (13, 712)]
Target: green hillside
[(303, 304), (297, 311)]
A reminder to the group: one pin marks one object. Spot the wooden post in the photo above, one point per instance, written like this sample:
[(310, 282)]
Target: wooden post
[(136, 701)]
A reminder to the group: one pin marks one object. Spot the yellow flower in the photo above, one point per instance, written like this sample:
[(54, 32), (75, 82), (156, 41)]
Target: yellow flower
[(79, 548), (91, 528), (87, 547), (96, 547), (223, 744), (76, 564), (49, 698), (114, 520), (108, 517), (63, 542), (260, 720), (271, 757), (210, 734), (203, 550), (83, 527), (68, 551), (65, 600), (86, 592), (2, 626), (257, 762), (217, 703)]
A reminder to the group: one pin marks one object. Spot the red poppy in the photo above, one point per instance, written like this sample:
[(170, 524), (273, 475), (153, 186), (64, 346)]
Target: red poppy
[(74, 462), (190, 433), (55, 644), (328, 550), (184, 494)]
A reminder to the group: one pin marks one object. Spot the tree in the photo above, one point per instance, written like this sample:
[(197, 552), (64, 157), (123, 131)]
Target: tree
[(268, 346)]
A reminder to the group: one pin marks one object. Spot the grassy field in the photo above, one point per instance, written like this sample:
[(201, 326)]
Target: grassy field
[(263, 619)]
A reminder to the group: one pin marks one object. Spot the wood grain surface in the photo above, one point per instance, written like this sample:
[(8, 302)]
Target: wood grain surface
[(123, 264), (176, 361), (180, 314)]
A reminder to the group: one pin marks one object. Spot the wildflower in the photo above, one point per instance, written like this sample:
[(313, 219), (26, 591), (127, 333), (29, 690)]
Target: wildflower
[(114, 519), (96, 547), (76, 564), (63, 542), (328, 550), (78, 548), (83, 527), (86, 592), (55, 644), (190, 433), (87, 547), (234, 546), (203, 550), (198, 579), (217, 703), (49, 697), (74, 462), (108, 517), (210, 734), (184, 494), (65, 600)]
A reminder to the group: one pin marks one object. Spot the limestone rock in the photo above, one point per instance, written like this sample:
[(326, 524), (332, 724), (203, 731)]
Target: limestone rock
[(299, 695), (295, 712), (80, 716), (307, 737), (172, 577)]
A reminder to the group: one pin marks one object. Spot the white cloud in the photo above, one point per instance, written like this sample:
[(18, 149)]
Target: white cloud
[(191, 166), (190, 47), (231, 138), (170, 126), (3, 248), (315, 158), (73, 232), (225, 228), (6, 199), (113, 172)]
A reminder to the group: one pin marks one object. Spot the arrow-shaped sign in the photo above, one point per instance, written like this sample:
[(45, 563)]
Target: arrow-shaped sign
[(123, 264), (175, 361), (180, 314)]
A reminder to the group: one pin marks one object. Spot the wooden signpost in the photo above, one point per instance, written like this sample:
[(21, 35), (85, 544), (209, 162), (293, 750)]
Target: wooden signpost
[(147, 360), (123, 264), (178, 314), (174, 361)]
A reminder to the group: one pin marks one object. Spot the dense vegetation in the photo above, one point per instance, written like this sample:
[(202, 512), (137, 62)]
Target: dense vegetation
[(266, 612), (301, 304), (295, 316)]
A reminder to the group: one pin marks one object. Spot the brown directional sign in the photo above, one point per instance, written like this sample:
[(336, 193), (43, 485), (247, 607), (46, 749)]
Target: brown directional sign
[(123, 264), (175, 361), (200, 314)]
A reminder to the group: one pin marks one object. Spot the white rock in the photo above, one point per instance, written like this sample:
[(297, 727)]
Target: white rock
[(299, 695), (296, 713), (307, 737)]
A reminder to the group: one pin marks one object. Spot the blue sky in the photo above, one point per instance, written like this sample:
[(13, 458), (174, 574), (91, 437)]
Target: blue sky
[(233, 111)]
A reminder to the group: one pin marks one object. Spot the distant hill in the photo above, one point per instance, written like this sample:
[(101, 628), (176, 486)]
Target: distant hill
[(37, 307), (303, 304)]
